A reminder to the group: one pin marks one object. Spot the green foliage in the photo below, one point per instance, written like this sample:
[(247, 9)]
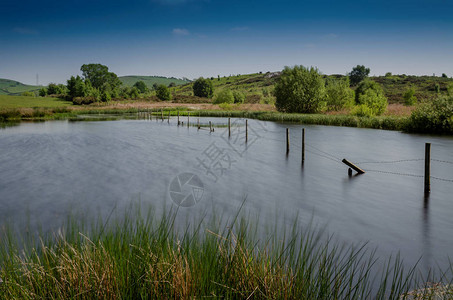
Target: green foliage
[(134, 93), (28, 94), (203, 88), (43, 92), (450, 89), (437, 88), (98, 75), (388, 74), (358, 74), (409, 97), (163, 93), (338, 94), (56, 89), (224, 96), (141, 86), (76, 87), (105, 96), (444, 75), (239, 97), (433, 117), (172, 84), (300, 89), (370, 94)]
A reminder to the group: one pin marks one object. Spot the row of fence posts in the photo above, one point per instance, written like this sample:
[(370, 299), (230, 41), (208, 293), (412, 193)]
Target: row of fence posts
[(427, 185)]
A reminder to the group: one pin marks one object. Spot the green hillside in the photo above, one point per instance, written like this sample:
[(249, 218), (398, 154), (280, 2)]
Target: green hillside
[(11, 87), (150, 80), (259, 86)]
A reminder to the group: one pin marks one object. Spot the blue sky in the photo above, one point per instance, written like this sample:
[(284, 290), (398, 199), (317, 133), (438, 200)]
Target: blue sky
[(192, 38)]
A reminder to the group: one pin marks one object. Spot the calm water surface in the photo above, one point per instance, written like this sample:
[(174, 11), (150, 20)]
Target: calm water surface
[(87, 168)]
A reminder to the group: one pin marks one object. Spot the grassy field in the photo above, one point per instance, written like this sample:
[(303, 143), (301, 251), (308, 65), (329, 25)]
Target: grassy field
[(146, 257), (31, 102), (150, 80), (11, 87)]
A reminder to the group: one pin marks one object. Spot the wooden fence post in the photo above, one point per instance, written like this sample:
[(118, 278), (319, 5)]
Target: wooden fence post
[(229, 127), (246, 131), (287, 140), (427, 168), (188, 119), (178, 118), (303, 145), (210, 126)]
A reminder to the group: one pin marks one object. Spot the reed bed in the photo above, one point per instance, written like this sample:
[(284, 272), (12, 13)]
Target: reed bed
[(145, 257)]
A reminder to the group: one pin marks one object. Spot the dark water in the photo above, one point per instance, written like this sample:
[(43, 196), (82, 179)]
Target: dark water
[(87, 168)]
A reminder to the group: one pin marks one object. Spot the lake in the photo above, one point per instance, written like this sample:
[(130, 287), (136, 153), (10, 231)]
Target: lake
[(52, 169)]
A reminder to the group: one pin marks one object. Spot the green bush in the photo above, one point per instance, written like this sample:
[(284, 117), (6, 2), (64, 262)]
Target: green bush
[(370, 94), (43, 92), (239, 97), (203, 88), (409, 97), (162, 92), (433, 117), (28, 94), (300, 90), (338, 94), (224, 96), (141, 86), (105, 96)]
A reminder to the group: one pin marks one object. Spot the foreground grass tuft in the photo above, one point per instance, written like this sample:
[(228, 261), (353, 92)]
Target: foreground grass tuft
[(141, 257)]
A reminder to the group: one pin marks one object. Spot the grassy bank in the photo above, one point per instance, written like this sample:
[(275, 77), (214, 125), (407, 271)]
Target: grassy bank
[(142, 257)]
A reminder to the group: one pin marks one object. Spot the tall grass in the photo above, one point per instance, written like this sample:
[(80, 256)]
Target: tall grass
[(146, 257)]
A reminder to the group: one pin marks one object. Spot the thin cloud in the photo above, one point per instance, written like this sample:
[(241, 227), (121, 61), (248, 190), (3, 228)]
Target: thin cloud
[(181, 31), (25, 31)]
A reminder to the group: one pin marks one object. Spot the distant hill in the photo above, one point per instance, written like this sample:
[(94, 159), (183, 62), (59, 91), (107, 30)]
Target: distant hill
[(11, 87), (150, 80)]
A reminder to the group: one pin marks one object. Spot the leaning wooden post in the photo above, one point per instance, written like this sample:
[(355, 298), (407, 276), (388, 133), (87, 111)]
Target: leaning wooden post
[(198, 123), (188, 119), (351, 165), (246, 131), (178, 118), (427, 168), (229, 127), (303, 145), (168, 117), (210, 126), (287, 140)]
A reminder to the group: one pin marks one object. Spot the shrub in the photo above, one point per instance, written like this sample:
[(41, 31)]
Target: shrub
[(239, 97), (409, 97), (300, 90), (134, 93), (43, 92), (162, 92), (370, 93), (203, 88), (433, 117), (450, 89), (105, 96), (224, 96), (388, 74), (437, 88), (338, 94), (141, 86), (28, 94)]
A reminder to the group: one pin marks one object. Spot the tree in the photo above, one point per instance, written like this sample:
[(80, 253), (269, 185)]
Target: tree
[(370, 98), (56, 89), (239, 97), (141, 86), (43, 92), (76, 87), (388, 74), (444, 75), (203, 88), (163, 93), (155, 85), (98, 75), (224, 96), (358, 74), (338, 94), (172, 84), (409, 97), (300, 90)]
